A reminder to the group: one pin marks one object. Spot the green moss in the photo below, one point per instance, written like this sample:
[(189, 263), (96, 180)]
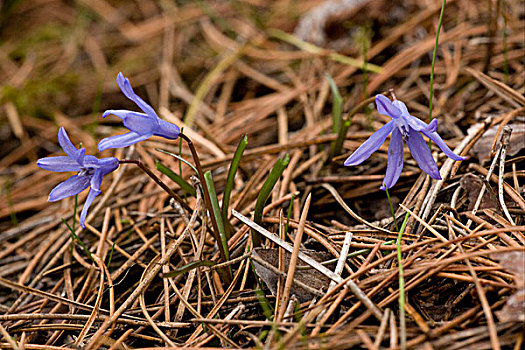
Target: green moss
[(40, 98)]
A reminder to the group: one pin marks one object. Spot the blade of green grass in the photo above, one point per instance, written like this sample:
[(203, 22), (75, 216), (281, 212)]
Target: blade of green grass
[(434, 60), (76, 238), (186, 187), (217, 213), (234, 165), (341, 135), (337, 112), (261, 298), (176, 156), (289, 214), (188, 267), (402, 320), (266, 189), (308, 47), (110, 255), (391, 208)]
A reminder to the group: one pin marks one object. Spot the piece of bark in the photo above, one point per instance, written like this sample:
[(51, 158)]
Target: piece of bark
[(309, 276)]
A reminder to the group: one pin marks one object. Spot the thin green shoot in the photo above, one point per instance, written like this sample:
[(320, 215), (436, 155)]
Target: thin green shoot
[(75, 214), (391, 208), (74, 237), (341, 136), (337, 112), (217, 213), (402, 320), (176, 156), (265, 192), (267, 308), (289, 214), (316, 50), (261, 297), (187, 268), (347, 121), (186, 187), (180, 153), (350, 255), (434, 61), (110, 255), (234, 165)]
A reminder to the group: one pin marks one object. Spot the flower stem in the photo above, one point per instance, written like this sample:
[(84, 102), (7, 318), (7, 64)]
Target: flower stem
[(434, 60), (402, 321), (206, 194), (157, 180), (391, 207)]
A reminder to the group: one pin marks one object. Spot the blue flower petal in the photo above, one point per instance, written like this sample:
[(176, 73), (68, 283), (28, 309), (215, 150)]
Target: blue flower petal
[(434, 136), (402, 107), (108, 165), (167, 130), (126, 88), (139, 124), (421, 153), (371, 145), (96, 180), (60, 163), (417, 124), (124, 113), (432, 126), (90, 198), (395, 160), (121, 141), (386, 107), (72, 186), (69, 148), (91, 162)]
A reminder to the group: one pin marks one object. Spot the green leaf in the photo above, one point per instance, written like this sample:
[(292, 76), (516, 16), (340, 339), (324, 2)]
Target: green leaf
[(217, 213), (266, 189), (186, 187), (186, 268), (176, 156), (337, 105), (231, 176)]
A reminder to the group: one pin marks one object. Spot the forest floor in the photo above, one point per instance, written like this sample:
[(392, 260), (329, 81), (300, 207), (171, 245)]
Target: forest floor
[(291, 78)]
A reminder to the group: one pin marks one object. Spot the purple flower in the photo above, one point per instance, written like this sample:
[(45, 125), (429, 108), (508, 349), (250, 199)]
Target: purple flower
[(403, 126), (141, 125), (90, 172)]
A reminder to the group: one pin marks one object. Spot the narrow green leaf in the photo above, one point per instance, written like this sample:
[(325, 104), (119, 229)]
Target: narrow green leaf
[(76, 238), (217, 213), (316, 50), (401, 299), (231, 176), (289, 214), (392, 211), (339, 126), (186, 268), (176, 156), (261, 298), (111, 255), (75, 214), (186, 187), (337, 105), (341, 135), (434, 55), (266, 189)]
